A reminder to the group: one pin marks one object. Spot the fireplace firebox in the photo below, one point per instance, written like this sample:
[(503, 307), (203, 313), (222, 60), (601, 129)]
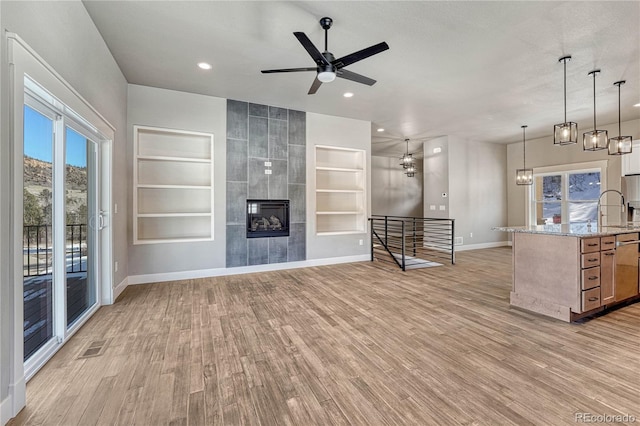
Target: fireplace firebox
[(267, 218)]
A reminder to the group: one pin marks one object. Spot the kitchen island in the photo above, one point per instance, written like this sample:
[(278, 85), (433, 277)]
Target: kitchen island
[(572, 271)]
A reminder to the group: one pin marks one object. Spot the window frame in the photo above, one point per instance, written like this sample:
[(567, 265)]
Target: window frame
[(564, 171)]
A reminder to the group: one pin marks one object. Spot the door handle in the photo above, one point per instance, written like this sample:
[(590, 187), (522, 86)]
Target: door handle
[(593, 299), (100, 220)]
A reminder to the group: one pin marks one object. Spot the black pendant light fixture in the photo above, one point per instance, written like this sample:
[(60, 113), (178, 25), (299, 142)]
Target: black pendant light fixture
[(524, 176), (407, 159), (620, 145), (565, 133), (595, 140)]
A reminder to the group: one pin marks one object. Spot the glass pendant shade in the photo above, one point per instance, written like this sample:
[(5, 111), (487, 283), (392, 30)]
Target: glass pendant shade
[(565, 133), (620, 145), (406, 160), (595, 140), (524, 176), (411, 171)]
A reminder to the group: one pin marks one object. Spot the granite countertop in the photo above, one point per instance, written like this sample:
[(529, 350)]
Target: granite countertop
[(577, 230)]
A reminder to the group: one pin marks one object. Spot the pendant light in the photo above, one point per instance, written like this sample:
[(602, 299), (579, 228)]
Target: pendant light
[(407, 159), (565, 133), (411, 170), (595, 140), (524, 176), (620, 145)]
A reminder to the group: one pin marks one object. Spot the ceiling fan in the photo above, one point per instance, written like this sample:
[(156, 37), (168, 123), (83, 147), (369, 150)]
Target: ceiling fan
[(328, 67)]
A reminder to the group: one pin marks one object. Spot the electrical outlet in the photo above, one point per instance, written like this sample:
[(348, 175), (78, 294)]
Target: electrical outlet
[(267, 163), (458, 241), (432, 207), (361, 242), (115, 266), (267, 172), (115, 208), (470, 234), (442, 207)]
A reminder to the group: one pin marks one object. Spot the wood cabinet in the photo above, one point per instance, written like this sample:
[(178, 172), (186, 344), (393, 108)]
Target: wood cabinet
[(173, 185), (340, 190), (607, 276)]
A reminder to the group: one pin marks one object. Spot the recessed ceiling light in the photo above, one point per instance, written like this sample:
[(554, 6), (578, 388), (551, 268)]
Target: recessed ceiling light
[(637, 105), (381, 129), (348, 95), (204, 65)]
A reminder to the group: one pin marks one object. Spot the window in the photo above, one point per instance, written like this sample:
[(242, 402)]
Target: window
[(567, 197)]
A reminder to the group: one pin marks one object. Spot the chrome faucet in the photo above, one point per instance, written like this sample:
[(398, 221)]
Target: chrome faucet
[(600, 205)]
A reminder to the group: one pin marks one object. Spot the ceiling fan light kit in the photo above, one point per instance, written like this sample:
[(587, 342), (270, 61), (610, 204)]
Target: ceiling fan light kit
[(565, 133), (595, 140), (327, 66), (620, 145)]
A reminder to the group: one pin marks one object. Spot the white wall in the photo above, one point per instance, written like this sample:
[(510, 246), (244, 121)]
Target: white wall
[(393, 193), (477, 190), (65, 37), (150, 106), (473, 176), (340, 132), (541, 152)]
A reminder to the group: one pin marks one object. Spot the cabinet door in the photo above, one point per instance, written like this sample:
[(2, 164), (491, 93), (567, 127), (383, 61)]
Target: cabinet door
[(607, 278)]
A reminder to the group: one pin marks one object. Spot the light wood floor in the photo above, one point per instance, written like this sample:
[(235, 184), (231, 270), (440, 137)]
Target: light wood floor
[(346, 344)]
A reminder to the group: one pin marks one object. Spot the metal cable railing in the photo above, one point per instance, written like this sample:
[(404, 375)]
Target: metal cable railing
[(37, 248), (411, 242)]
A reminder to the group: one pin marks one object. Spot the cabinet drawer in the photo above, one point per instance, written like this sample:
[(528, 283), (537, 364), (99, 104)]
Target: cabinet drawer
[(590, 245), (591, 278), (590, 259), (607, 243), (590, 299)]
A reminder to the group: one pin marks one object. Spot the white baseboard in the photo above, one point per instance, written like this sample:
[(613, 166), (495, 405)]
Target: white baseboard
[(120, 288), (5, 410), (483, 246), (218, 272), (14, 402)]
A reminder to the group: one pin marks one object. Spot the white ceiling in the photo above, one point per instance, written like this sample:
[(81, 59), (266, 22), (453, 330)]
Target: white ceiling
[(478, 70)]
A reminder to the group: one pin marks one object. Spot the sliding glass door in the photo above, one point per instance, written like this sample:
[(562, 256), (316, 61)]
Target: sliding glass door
[(61, 225)]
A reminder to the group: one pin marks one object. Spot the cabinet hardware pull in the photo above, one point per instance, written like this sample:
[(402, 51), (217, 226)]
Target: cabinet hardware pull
[(609, 254), (593, 299), (609, 242), (591, 278), (592, 245), (593, 260)]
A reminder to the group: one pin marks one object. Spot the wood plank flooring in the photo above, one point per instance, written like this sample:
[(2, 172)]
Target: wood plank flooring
[(346, 344)]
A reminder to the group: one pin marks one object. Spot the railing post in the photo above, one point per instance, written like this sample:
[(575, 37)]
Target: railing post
[(453, 237), (371, 236), (403, 248), (386, 239), (414, 236)]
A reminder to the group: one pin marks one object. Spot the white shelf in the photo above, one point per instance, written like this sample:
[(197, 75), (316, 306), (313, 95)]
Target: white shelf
[(339, 212), (173, 186), (175, 159), (173, 214), (339, 169), (340, 190), (149, 186)]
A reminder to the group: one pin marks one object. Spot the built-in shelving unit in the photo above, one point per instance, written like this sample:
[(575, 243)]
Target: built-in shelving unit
[(173, 185), (340, 190)]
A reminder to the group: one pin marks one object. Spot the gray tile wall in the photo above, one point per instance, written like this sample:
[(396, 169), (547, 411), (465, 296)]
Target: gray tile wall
[(257, 134)]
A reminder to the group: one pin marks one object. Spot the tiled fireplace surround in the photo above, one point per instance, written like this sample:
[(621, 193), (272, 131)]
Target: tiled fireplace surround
[(259, 134)]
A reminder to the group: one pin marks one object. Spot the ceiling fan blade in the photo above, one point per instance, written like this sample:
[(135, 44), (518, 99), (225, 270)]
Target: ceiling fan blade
[(290, 70), (311, 49), (360, 55), (314, 86), (349, 75)]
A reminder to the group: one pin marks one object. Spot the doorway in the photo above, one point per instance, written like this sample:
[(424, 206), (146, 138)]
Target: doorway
[(61, 228)]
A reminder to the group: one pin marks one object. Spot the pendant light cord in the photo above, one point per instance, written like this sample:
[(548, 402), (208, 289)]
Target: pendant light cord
[(565, 89), (619, 119), (594, 102), (524, 148)]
